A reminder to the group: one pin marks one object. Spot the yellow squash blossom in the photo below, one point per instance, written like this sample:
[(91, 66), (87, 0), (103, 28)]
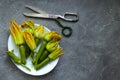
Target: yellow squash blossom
[(29, 24), (52, 45), (56, 36), (16, 33), (39, 31), (52, 35), (55, 54), (29, 40)]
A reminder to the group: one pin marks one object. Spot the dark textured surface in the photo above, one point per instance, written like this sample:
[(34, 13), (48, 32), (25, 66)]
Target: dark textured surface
[(91, 53)]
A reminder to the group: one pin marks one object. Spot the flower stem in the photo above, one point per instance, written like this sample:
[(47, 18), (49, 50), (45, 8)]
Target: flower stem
[(26, 67), (39, 53), (44, 56), (27, 51), (37, 41), (22, 54), (43, 63), (14, 57)]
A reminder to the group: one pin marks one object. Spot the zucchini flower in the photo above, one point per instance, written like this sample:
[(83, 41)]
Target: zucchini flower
[(56, 36), (18, 38), (48, 36), (52, 45), (52, 35), (29, 40), (39, 31), (29, 24), (52, 56), (16, 33), (55, 54)]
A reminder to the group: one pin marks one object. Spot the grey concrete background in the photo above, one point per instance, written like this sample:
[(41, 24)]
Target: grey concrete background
[(91, 53)]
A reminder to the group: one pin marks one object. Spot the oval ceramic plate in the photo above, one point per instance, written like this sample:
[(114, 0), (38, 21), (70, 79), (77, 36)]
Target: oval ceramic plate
[(44, 70)]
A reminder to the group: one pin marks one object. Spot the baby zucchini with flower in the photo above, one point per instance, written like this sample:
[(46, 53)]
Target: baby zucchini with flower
[(16, 59), (29, 39), (52, 56), (28, 26), (48, 37), (50, 47), (39, 33), (17, 36)]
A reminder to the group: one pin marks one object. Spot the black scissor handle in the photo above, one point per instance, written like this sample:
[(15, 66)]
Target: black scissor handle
[(64, 29), (69, 31), (68, 16)]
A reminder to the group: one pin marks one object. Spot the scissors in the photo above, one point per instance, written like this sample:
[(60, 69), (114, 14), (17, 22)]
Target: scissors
[(42, 14)]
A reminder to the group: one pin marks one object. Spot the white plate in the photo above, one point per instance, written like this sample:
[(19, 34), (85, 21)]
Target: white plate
[(46, 69)]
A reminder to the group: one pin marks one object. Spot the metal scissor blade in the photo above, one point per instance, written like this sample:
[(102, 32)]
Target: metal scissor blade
[(51, 16), (37, 15), (36, 9)]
